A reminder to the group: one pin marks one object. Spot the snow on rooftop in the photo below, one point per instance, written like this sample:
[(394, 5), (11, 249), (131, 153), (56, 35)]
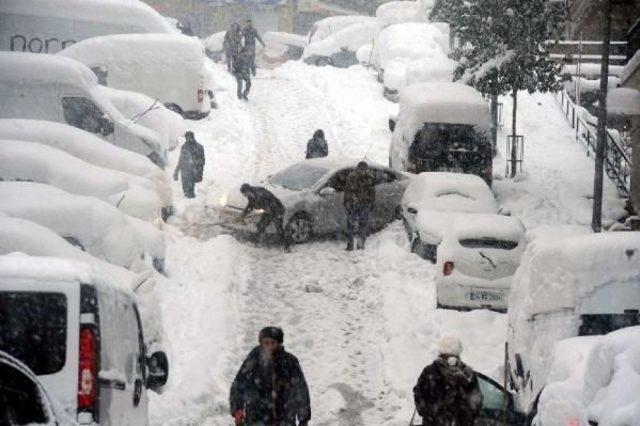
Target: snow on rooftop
[(623, 100), (36, 68), (135, 15)]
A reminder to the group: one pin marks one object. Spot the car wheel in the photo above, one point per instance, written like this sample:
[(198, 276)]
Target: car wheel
[(299, 228)]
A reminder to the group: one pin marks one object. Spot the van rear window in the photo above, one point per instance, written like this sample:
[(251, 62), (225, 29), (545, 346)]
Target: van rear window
[(34, 329), (477, 243)]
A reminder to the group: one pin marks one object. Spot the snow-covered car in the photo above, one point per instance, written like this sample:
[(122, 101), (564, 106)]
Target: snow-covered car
[(442, 127), (400, 12), (55, 88), (432, 201), (79, 330), (96, 227), (280, 48), (47, 26), (24, 398), (214, 46), (326, 27), (401, 44), (89, 148), (477, 258), (34, 162), (340, 48), (312, 192), (566, 287), (148, 112), (167, 67), (427, 70)]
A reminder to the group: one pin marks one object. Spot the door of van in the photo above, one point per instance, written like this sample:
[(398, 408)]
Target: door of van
[(40, 328), (123, 399)]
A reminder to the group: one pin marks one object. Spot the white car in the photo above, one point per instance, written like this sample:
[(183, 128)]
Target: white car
[(339, 49), (326, 27), (96, 227), (399, 12), (79, 330), (432, 201), (312, 192), (34, 162), (477, 258), (90, 148)]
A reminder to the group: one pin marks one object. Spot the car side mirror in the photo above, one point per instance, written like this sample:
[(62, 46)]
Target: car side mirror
[(158, 365), (392, 124), (327, 190), (412, 210)]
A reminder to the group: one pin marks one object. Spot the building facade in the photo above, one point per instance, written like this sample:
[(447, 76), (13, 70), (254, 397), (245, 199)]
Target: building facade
[(631, 78)]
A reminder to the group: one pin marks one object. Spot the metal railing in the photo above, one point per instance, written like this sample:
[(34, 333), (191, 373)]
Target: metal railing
[(617, 162)]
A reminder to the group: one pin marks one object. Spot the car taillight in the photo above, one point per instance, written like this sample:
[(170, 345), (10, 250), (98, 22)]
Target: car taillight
[(88, 370), (447, 269), (200, 95)]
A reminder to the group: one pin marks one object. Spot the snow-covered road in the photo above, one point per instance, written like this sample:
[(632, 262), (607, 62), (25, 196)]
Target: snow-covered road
[(362, 324)]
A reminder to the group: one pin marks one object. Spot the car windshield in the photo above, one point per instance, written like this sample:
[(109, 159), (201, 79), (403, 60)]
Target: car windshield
[(493, 243), (298, 177), (34, 329)]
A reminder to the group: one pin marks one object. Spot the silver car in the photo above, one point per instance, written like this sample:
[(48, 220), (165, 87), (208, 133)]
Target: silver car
[(312, 192)]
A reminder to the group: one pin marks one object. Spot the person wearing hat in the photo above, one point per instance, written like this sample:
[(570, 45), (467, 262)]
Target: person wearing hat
[(448, 392), (359, 200), (273, 211), (270, 388), (190, 165), (317, 146)]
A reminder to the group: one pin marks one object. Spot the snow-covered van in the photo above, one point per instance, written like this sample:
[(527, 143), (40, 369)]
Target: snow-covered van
[(566, 287), (47, 26), (96, 227), (54, 88), (442, 127), (88, 147), (79, 330), (34, 162), (167, 67)]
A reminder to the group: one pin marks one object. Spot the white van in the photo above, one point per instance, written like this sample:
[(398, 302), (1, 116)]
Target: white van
[(78, 329), (54, 88), (166, 67), (566, 287), (47, 26)]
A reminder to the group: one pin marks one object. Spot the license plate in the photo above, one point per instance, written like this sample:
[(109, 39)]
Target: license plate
[(485, 296)]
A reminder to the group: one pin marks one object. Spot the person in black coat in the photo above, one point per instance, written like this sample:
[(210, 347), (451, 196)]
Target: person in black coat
[(261, 199), (270, 388), (190, 165), (317, 146), (242, 72), (250, 35), (448, 392)]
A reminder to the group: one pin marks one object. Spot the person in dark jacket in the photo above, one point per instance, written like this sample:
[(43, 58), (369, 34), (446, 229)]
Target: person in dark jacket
[(242, 72), (261, 199), (317, 146), (232, 44), (250, 35), (448, 392), (359, 200), (270, 388), (190, 164)]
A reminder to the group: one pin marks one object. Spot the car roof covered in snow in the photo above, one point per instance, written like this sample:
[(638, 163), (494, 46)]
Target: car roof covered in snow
[(555, 273), (325, 27), (132, 13), (484, 225), (334, 163), (279, 37), (141, 47), (214, 42), (409, 41), (397, 12), (34, 68), (453, 103), (351, 38), (450, 192)]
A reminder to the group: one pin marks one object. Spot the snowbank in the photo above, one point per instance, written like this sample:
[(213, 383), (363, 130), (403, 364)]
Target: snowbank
[(101, 229), (34, 162), (135, 15), (623, 100), (88, 147), (399, 12), (612, 380)]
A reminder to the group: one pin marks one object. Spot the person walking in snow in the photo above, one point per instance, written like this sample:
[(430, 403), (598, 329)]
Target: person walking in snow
[(448, 393), (270, 388), (232, 44), (261, 199), (190, 164), (250, 35), (317, 146), (242, 72), (359, 200)]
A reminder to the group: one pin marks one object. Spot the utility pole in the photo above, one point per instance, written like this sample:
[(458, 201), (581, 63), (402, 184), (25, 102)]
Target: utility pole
[(596, 221)]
